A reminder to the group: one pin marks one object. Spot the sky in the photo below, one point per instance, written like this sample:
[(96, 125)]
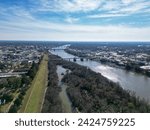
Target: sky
[(75, 20)]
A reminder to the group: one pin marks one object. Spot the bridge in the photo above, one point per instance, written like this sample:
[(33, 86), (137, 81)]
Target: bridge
[(62, 48), (70, 58), (54, 49)]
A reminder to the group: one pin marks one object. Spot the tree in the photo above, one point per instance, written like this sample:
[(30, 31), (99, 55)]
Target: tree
[(14, 82), (33, 70), (17, 102), (7, 97), (26, 80)]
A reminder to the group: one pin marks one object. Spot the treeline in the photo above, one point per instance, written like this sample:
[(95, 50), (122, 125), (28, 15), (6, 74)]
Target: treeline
[(136, 68), (91, 92), (24, 85), (52, 102), (8, 86)]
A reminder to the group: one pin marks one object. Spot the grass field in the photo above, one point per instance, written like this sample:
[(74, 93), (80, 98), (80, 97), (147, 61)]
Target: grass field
[(33, 99)]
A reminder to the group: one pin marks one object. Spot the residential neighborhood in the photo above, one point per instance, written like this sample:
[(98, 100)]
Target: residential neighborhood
[(16, 60)]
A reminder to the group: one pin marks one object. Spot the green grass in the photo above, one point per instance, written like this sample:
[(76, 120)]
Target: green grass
[(33, 99)]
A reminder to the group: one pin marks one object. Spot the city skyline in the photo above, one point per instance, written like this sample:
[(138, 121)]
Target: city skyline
[(75, 20)]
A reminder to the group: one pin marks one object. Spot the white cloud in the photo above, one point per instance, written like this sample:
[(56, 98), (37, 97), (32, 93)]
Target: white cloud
[(106, 15), (111, 5), (135, 8), (21, 24), (70, 6), (128, 1), (117, 9), (74, 36), (127, 6), (15, 13), (71, 20), (40, 30)]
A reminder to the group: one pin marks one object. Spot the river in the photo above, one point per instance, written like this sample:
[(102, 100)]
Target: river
[(139, 84), (66, 103)]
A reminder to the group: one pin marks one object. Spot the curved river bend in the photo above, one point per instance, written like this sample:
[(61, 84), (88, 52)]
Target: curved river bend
[(139, 84)]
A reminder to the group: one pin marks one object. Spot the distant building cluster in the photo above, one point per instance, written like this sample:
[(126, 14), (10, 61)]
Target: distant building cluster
[(15, 59)]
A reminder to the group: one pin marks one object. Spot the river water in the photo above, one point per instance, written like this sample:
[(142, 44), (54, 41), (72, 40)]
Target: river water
[(66, 103), (139, 84)]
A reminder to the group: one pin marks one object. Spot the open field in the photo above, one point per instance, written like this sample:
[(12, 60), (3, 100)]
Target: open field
[(33, 99)]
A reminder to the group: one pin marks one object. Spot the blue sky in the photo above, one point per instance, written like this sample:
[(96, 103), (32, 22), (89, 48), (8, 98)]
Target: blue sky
[(75, 20)]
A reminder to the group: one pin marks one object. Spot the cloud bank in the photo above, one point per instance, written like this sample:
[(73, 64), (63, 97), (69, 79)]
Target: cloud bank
[(75, 20)]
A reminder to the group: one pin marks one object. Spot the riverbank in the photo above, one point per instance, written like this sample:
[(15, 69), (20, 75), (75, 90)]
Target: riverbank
[(135, 83), (127, 67), (91, 92), (52, 102)]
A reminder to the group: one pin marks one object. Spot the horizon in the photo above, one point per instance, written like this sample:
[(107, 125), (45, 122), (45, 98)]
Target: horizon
[(75, 20), (75, 41)]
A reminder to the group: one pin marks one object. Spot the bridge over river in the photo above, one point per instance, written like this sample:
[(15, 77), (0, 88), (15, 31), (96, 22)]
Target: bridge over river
[(74, 58), (70, 59)]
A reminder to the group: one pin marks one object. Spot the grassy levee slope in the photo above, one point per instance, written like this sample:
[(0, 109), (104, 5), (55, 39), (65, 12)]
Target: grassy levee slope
[(33, 99)]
